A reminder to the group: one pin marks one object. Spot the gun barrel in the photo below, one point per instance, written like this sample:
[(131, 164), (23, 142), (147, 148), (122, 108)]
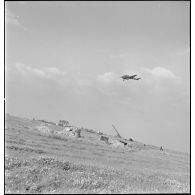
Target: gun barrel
[(116, 131)]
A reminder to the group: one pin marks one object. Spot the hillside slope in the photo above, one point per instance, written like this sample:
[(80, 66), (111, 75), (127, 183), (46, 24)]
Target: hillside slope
[(40, 161)]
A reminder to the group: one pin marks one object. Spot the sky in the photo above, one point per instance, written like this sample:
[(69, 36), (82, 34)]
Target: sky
[(64, 60)]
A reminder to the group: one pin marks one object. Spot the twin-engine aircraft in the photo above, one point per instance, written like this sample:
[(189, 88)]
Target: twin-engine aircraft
[(127, 77)]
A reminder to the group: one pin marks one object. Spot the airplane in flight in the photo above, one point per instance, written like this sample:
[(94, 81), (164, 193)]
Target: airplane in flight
[(127, 77)]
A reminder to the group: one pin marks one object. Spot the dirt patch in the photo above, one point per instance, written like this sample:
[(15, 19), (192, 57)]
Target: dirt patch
[(15, 142), (25, 149)]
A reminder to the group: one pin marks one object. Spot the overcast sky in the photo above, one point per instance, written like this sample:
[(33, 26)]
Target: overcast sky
[(64, 61)]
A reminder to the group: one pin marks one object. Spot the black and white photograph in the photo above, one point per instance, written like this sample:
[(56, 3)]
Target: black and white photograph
[(97, 97)]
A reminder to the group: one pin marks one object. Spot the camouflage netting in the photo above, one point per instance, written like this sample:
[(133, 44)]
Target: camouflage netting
[(116, 143), (70, 132), (44, 129), (67, 131)]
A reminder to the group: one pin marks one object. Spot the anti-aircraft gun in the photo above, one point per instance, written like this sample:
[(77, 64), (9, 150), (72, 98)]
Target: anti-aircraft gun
[(122, 140), (117, 133)]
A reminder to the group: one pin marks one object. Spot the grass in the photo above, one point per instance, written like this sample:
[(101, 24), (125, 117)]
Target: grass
[(48, 175), (39, 163)]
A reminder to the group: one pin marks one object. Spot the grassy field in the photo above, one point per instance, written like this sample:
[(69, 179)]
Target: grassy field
[(39, 161)]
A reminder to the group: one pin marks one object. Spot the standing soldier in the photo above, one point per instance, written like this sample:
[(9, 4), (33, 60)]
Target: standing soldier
[(78, 132)]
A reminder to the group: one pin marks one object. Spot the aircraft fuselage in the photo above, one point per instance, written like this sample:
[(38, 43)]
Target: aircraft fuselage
[(127, 77)]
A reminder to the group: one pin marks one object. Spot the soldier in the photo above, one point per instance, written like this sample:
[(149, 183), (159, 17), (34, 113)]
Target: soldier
[(78, 132)]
